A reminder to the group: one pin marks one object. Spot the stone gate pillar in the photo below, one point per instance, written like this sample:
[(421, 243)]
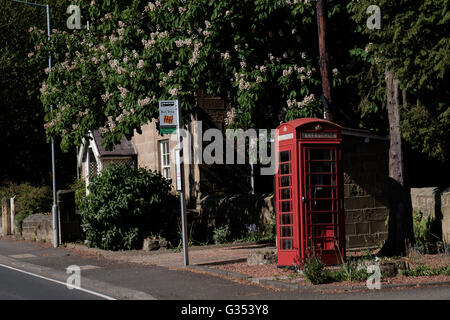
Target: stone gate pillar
[(6, 217)]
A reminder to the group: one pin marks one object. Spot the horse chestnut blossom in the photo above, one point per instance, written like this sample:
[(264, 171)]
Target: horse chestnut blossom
[(244, 85), (225, 55), (106, 96), (144, 102), (231, 114), (300, 104), (174, 91), (288, 72), (189, 52), (123, 91)]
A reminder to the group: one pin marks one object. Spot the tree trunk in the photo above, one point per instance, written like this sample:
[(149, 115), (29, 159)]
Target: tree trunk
[(324, 61), (400, 210)]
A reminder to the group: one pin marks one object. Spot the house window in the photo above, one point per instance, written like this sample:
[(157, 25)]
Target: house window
[(165, 158)]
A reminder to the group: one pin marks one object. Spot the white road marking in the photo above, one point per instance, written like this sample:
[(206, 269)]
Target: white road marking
[(22, 256), (60, 282), (89, 267)]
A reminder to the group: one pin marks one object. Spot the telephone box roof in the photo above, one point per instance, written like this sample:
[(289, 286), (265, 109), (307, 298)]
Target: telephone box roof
[(303, 121)]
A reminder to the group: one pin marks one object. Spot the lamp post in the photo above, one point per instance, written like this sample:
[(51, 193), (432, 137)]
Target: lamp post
[(55, 205)]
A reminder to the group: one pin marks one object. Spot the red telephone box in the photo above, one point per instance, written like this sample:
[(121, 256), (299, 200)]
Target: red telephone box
[(309, 192)]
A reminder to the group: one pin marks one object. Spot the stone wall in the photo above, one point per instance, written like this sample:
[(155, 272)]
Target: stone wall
[(426, 200), (366, 168), (38, 227), (236, 211), (434, 203), (6, 217), (445, 211)]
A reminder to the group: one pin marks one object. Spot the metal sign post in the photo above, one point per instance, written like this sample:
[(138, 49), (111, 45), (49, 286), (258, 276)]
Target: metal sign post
[(170, 120)]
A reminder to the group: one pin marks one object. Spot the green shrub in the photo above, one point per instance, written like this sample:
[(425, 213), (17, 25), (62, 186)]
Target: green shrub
[(424, 270), (79, 188), (314, 270), (125, 205), (29, 199), (422, 227), (348, 272), (220, 235)]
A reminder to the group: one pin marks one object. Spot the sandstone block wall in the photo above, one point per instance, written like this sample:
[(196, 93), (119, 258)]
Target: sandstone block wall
[(38, 227), (435, 203), (445, 211), (365, 166)]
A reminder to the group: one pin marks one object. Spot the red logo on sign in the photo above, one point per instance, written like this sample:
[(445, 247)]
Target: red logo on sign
[(168, 119)]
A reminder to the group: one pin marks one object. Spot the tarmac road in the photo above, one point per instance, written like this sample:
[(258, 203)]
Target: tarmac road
[(16, 285), (105, 278)]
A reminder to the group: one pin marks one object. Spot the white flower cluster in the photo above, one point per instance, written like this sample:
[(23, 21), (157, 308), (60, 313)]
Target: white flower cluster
[(226, 55), (106, 96), (175, 91), (299, 70), (144, 102), (186, 42), (148, 43), (123, 91), (231, 114), (152, 6), (114, 64), (244, 85), (195, 54), (291, 2), (300, 104), (44, 88), (287, 73)]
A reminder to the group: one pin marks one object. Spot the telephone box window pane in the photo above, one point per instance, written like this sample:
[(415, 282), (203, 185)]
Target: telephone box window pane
[(320, 154), (286, 244), (284, 156), (323, 231), (321, 192), (323, 166), (285, 181), (320, 179), (324, 244), (286, 232), (286, 206), (321, 205), (286, 219), (323, 217), (285, 194), (285, 168)]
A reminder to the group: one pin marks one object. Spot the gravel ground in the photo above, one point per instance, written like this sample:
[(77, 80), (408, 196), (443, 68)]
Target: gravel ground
[(291, 276)]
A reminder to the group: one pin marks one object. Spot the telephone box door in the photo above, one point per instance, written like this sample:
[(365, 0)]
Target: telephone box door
[(322, 201)]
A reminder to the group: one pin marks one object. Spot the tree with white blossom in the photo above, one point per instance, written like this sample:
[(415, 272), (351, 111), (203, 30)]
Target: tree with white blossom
[(259, 56)]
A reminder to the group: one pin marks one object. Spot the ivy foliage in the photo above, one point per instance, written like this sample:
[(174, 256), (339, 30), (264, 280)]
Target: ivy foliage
[(413, 43), (125, 205)]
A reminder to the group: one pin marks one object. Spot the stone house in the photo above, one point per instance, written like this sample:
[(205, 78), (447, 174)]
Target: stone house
[(218, 193)]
